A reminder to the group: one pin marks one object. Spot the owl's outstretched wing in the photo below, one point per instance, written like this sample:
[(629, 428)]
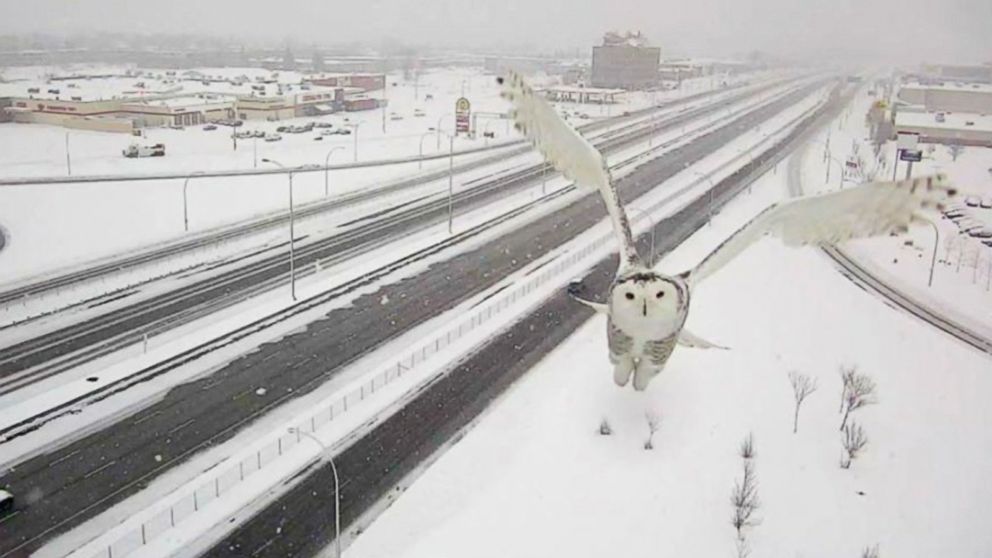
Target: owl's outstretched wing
[(568, 152), (874, 209)]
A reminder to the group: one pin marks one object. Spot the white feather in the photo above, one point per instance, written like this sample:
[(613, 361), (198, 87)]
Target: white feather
[(569, 153), (874, 209)]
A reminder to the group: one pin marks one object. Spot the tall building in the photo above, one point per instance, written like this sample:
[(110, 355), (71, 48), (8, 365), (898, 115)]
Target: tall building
[(625, 61)]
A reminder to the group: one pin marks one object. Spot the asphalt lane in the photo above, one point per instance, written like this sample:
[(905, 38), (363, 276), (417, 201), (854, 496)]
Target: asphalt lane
[(79, 480)]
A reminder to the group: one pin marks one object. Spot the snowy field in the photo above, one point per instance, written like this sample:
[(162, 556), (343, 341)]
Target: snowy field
[(534, 478), (962, 277)]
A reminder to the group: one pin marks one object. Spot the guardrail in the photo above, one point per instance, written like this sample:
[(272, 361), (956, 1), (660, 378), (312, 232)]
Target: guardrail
[(187, 503)]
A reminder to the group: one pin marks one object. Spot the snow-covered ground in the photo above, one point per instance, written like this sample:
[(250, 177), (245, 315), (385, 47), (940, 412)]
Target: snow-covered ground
[(962, 277), (534, 478)]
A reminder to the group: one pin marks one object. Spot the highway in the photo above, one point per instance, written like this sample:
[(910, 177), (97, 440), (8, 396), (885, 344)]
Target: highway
[(89, 475), (49, 354), (220, 234), (373, 468)]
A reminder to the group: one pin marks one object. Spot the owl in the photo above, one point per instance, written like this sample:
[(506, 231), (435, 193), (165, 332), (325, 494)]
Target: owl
[(646, 310)]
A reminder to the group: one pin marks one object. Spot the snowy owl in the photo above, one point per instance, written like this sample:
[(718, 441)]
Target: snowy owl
[(646, 310)]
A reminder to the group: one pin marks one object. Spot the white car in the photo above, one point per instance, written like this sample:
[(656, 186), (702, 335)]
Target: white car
[(273, 137), (6, 502)]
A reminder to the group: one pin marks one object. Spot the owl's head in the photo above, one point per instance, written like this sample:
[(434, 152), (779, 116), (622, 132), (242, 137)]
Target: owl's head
[(644, 295)]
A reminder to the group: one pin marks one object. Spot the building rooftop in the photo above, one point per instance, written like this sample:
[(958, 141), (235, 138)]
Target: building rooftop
[(952, 121)]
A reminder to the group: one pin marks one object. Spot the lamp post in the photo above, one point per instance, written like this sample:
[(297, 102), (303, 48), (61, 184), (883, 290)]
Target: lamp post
[(337, 488), (438, 128), (712, 188), (292, 225), (451, 181), (653, 226), (936, 243), (420, 162), (355, 126), (185, 204), (68, 161), (326, 172)]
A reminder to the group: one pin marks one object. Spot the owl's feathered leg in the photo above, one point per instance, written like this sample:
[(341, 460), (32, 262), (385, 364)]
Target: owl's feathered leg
[(643, 375), (622, 371)]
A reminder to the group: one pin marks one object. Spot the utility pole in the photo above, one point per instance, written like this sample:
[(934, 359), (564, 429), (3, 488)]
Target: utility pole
[(68, 161), (451, 182)]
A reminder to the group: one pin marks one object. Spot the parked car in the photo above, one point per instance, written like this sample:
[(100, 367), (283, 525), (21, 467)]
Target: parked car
[(258, 134), (972, 201), (282, 129), (209, 127), (6, 503), (986, 203), (987, 243), (273, 137), (323, 124), (419, 113), (343, 131), (328, 132), (940, 117), (982, 233), (318, 138), (135, 150)]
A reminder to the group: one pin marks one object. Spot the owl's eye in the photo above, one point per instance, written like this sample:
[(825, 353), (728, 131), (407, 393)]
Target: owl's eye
[(630, 296), (660, 294)]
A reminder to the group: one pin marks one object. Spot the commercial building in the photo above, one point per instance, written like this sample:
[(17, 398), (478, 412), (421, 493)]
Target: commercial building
[(980, 73), (625, 62), (946, 128), (949, 97), (119, 104)]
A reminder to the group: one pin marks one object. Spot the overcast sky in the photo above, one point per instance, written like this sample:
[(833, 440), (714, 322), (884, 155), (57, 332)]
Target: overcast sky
[(904, 30)]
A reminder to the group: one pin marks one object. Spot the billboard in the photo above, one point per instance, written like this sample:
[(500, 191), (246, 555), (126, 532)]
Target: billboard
[(463, 113)]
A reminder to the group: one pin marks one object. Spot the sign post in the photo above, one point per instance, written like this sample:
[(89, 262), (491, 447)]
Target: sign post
[(463, 116), (905, 141), (911, 156)]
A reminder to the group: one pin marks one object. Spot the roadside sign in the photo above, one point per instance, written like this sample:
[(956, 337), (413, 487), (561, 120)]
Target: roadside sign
[(463, 112), (911, 155), (907, 140)]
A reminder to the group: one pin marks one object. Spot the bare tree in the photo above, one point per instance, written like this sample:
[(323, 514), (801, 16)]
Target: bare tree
[(802, 386), (854, 440), (747, 446), (955, 150), (859, 391), (604, 428), (654, 423), (743, 548), (744, 500), (870, 552)]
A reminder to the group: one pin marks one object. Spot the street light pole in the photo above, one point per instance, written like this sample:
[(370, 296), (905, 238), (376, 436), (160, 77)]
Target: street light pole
[(936, 243), (420, 162), (292, 230), (451, 182), (185, 204), (438, 128), (355, 126), (337, 488), (68, 161), (326, 172)]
